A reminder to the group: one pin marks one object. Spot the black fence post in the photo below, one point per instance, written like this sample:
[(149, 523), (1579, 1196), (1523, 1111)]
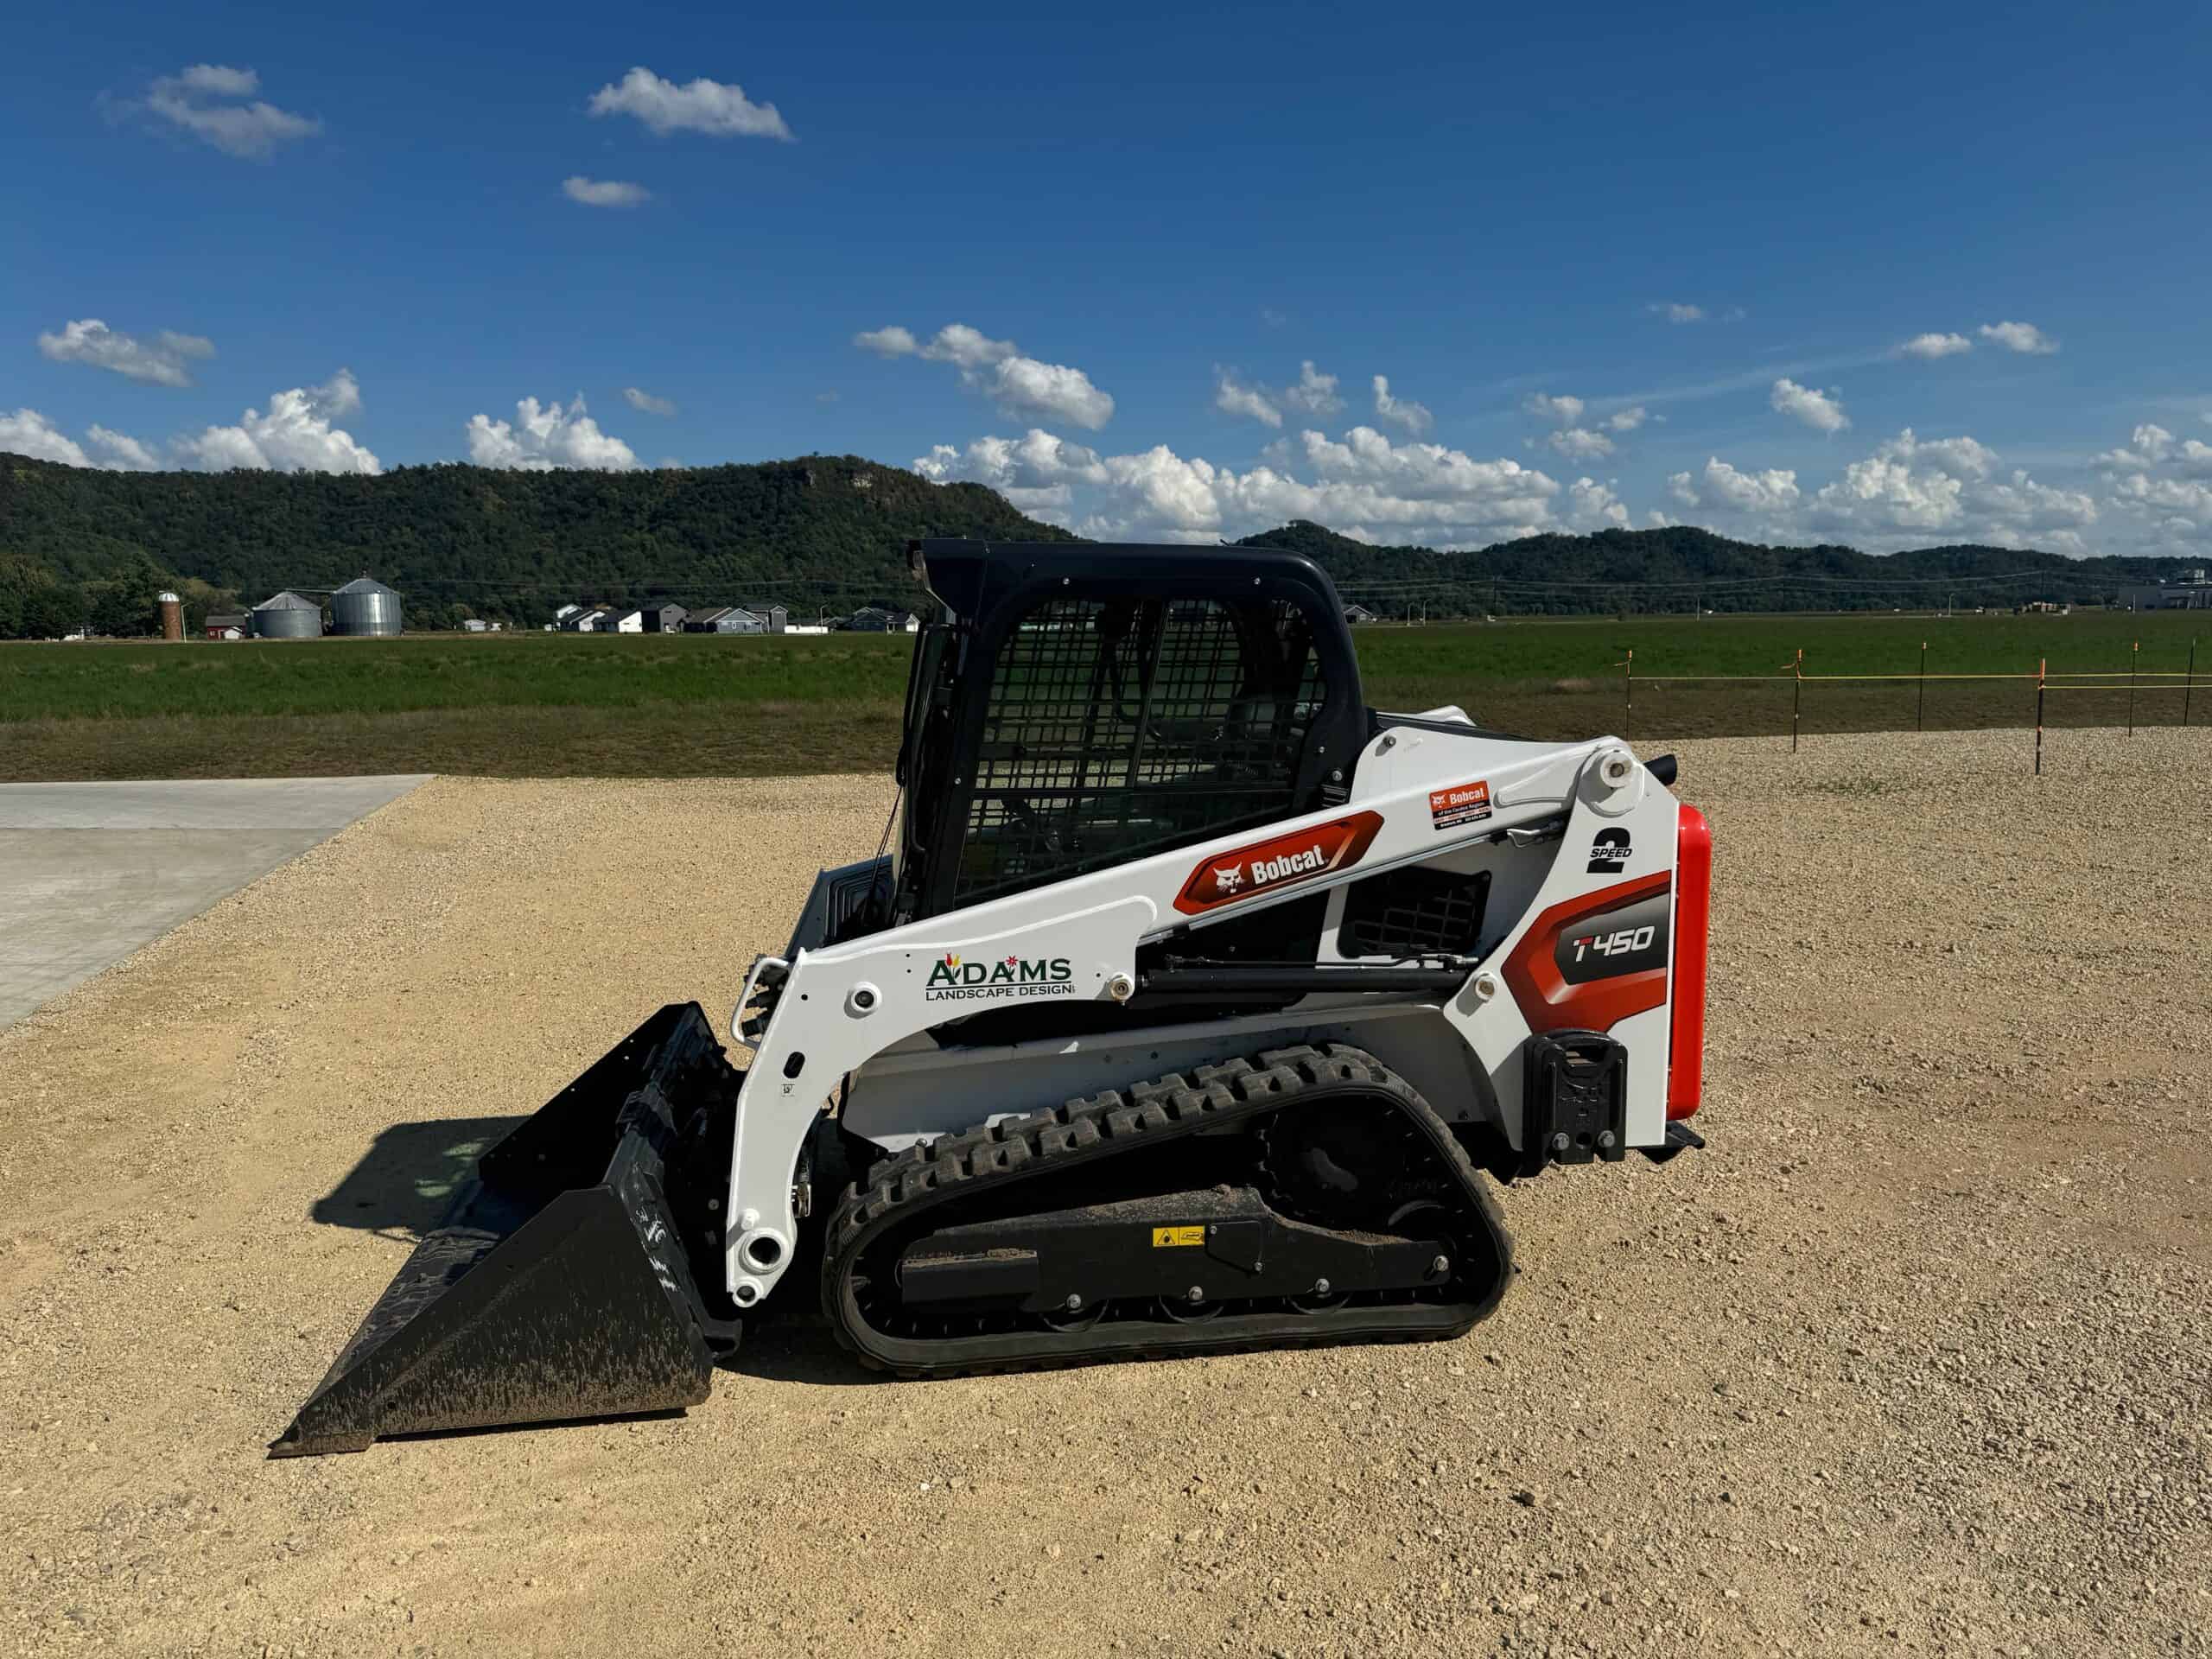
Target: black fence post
[(1627, 695), (1796, 698), (2188, 684), (1920, 710), (2135, 656)]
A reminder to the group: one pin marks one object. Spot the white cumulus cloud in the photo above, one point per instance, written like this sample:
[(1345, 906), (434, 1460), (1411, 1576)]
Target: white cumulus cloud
[(1560, 410), (1401, 412), (2153, 446), (1023, 386), (2150, 446), (161, 360), (1037, 472), (710, 107), (894, 341), (1020, 385), (215, 103), (2024, 337), (298, 434), (1911, 485), (120, 451), (1676, 311), (971, 348), (1419, 491), (219, 80), (1592, 505), (1774, 491), (544, 437), (1572, 438), (1315, 392), (2156, 482), (646, 402), (27, 432), (1929, 347), (1821, 410), (604, 192), (1232, 397), (1581, 444)]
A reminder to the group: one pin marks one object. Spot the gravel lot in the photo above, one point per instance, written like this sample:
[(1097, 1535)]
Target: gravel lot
[(1913, 1358)]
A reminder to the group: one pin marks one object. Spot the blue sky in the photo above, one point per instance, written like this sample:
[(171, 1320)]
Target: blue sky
[(1615, 264)]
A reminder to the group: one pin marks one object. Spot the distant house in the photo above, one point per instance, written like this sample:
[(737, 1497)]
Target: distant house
[(577, 620), (773, 617), (727, 619), (874, 619), (565, 611), (474, 624), (665, 619), (224, 625), (621, 621), (1357, 613)]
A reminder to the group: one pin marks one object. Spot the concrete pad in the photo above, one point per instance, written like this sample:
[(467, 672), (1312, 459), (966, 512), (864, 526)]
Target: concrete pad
[(90, 871)]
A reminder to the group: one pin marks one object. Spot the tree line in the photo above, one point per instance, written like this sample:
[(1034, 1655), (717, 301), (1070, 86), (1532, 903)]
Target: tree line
[(83, 549)]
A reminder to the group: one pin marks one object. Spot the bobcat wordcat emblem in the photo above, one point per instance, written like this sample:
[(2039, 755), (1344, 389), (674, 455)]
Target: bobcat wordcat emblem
[(952, 980), (1260, 868)]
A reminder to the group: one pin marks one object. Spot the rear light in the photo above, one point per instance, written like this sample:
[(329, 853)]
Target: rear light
[(1692, 900)]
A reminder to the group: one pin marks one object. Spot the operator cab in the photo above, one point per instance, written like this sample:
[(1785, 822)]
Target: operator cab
[(1073, 707)]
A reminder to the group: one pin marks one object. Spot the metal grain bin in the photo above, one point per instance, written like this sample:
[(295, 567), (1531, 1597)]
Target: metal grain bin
[(365, 606), (286, 616)]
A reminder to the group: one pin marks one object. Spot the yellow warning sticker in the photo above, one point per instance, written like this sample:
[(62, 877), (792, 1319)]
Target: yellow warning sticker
[(1164, 1238)]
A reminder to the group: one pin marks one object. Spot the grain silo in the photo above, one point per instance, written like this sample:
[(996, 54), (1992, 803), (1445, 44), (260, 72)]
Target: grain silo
[(172, 616), (286, 616), (365, 606)]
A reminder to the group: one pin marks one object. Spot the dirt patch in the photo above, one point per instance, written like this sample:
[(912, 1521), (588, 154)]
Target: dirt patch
[(1915, 1356)]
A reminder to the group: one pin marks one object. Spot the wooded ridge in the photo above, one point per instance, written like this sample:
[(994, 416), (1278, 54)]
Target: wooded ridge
[(83, 547)]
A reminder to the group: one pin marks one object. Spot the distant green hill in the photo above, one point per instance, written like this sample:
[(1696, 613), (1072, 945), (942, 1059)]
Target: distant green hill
[(823, 531), (1682, 569)]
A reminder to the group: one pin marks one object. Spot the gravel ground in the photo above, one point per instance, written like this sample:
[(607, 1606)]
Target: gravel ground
[(1915, 1358)]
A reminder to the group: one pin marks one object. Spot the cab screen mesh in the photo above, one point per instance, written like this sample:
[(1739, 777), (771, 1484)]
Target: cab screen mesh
[(1120, 727)]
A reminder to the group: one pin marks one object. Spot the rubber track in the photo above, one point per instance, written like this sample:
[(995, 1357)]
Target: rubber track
[(899, 1188)]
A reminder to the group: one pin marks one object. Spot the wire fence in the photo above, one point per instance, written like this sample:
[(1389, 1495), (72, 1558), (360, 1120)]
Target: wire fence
[(2134, 680)]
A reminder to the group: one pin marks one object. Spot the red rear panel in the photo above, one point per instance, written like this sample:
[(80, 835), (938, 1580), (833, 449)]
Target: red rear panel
[(1693, 901)]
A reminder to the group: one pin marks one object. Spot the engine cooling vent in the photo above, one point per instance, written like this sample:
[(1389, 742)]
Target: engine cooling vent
[(1414, 912)]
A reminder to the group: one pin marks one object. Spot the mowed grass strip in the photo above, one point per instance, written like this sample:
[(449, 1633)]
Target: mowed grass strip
[(564, 705), (422, 671), (661, 740)]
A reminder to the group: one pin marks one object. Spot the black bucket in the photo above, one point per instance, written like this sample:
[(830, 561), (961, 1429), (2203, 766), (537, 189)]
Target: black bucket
[(564, 1286)]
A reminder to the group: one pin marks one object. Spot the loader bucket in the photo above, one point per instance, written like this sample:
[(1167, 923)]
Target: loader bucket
[(563, 1287)]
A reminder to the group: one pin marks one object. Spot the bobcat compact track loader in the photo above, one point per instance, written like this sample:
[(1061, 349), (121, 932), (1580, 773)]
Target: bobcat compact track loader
[(1188, 1014)]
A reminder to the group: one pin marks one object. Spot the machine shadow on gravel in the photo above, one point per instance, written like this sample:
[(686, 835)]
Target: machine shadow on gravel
[(409, 1181)]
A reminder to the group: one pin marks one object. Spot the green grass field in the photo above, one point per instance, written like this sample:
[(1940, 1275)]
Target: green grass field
[(537, 704)]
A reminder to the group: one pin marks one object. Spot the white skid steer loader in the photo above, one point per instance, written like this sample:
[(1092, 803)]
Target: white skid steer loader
[(1189, 1011)]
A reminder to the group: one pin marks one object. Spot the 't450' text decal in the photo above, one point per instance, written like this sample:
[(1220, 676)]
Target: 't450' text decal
[(1278, 862), (1628, 940)]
